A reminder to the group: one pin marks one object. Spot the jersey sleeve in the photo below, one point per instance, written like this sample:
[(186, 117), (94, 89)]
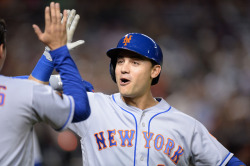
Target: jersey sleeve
[(50, 107), (81, 128), (206, 149)]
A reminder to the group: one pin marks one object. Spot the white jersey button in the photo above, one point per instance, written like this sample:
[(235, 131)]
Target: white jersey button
[(142, 158), (143, 124)]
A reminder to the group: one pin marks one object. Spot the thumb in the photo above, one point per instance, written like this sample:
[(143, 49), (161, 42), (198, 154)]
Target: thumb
[(37, 30), (75, 44)]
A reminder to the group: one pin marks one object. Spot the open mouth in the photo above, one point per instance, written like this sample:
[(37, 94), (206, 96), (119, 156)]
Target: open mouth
[(124, 81)]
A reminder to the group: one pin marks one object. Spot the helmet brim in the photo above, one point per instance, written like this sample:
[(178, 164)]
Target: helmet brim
[(114, 52)]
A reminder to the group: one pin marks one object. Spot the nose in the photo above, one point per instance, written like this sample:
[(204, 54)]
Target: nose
[(125, 67)]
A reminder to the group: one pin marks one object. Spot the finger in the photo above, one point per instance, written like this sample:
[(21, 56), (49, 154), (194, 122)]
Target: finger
[(52, 13), (64, 19), (71, 31), (37, 31), (75, 44), (47, 17), (62, 15), (71, 17), (58, 15), (74, 23), (68, 12)]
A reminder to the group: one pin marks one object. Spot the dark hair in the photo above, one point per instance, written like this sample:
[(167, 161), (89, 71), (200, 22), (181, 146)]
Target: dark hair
[(2, 32)]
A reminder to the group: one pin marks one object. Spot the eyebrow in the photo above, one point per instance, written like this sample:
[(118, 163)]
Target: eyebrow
[(134, 56)]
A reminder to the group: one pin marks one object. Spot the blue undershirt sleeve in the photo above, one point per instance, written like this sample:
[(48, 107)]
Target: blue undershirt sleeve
[(89, 87), (72, 82), (234, 161), (43, 69)]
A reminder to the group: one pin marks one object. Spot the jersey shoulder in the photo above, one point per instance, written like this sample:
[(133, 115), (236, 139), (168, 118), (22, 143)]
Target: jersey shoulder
[(15, 86), (17, 81), (21, 90), (182, 117), (98, 96)]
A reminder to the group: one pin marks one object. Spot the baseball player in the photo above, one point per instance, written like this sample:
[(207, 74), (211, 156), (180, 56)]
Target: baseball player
[(134, 128), (24, 103)]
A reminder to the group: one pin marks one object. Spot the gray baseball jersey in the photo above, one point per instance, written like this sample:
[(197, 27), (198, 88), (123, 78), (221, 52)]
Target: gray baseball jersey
[(119, 134), (22, 104)]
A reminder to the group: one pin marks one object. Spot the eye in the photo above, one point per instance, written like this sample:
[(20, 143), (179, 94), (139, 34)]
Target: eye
[(119, 61), (135, 62)]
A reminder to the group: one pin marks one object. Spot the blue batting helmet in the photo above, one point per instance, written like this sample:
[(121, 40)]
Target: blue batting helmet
[(136, 43)]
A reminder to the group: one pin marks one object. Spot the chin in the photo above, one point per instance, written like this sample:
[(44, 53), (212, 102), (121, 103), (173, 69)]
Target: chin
[(125, 94)]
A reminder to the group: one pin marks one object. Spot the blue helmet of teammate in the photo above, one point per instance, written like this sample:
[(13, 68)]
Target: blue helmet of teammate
[(139, 44)]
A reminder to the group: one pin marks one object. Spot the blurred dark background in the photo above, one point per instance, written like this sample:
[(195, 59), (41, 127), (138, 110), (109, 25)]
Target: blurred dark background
[(206, 68)]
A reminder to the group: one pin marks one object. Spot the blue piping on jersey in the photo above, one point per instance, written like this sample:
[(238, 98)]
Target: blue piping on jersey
[(225, 158), (149, 127), (68, 116), (135, 128)]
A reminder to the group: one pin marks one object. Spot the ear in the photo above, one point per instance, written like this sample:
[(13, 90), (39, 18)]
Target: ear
[(156, 70), (1, 51)]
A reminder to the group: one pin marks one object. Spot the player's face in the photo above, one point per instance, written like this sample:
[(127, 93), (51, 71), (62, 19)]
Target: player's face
[(133, 75)]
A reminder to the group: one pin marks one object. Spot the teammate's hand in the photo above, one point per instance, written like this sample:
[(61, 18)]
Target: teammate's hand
[(55, 34), (72, 22), (57, 84)]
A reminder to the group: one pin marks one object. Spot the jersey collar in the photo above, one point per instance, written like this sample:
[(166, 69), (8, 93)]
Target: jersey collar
[(161, 106)]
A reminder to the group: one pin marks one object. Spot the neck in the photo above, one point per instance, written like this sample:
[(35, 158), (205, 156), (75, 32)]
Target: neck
[(142, 102)]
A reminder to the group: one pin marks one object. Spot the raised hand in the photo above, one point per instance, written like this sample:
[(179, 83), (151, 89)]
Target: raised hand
[(54, 35), (72, 22)]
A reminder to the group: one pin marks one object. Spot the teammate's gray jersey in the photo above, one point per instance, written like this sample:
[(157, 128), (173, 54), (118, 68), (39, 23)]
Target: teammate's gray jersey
[(118, 134), (22, 104)]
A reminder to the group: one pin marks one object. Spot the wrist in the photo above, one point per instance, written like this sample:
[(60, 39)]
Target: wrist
[(43, 69), (58, 55), (56, 46)]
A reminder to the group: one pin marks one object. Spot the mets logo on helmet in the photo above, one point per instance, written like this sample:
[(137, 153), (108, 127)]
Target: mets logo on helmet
[(127, 39)]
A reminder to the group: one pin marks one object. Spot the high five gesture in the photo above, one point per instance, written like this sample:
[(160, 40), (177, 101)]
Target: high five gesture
[(54, 35)]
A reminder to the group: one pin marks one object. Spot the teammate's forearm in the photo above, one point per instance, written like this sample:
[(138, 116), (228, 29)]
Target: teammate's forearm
[(42, 71), (72, 82)]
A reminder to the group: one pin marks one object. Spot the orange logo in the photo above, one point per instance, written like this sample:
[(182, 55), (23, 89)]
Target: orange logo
[(127, 40)]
